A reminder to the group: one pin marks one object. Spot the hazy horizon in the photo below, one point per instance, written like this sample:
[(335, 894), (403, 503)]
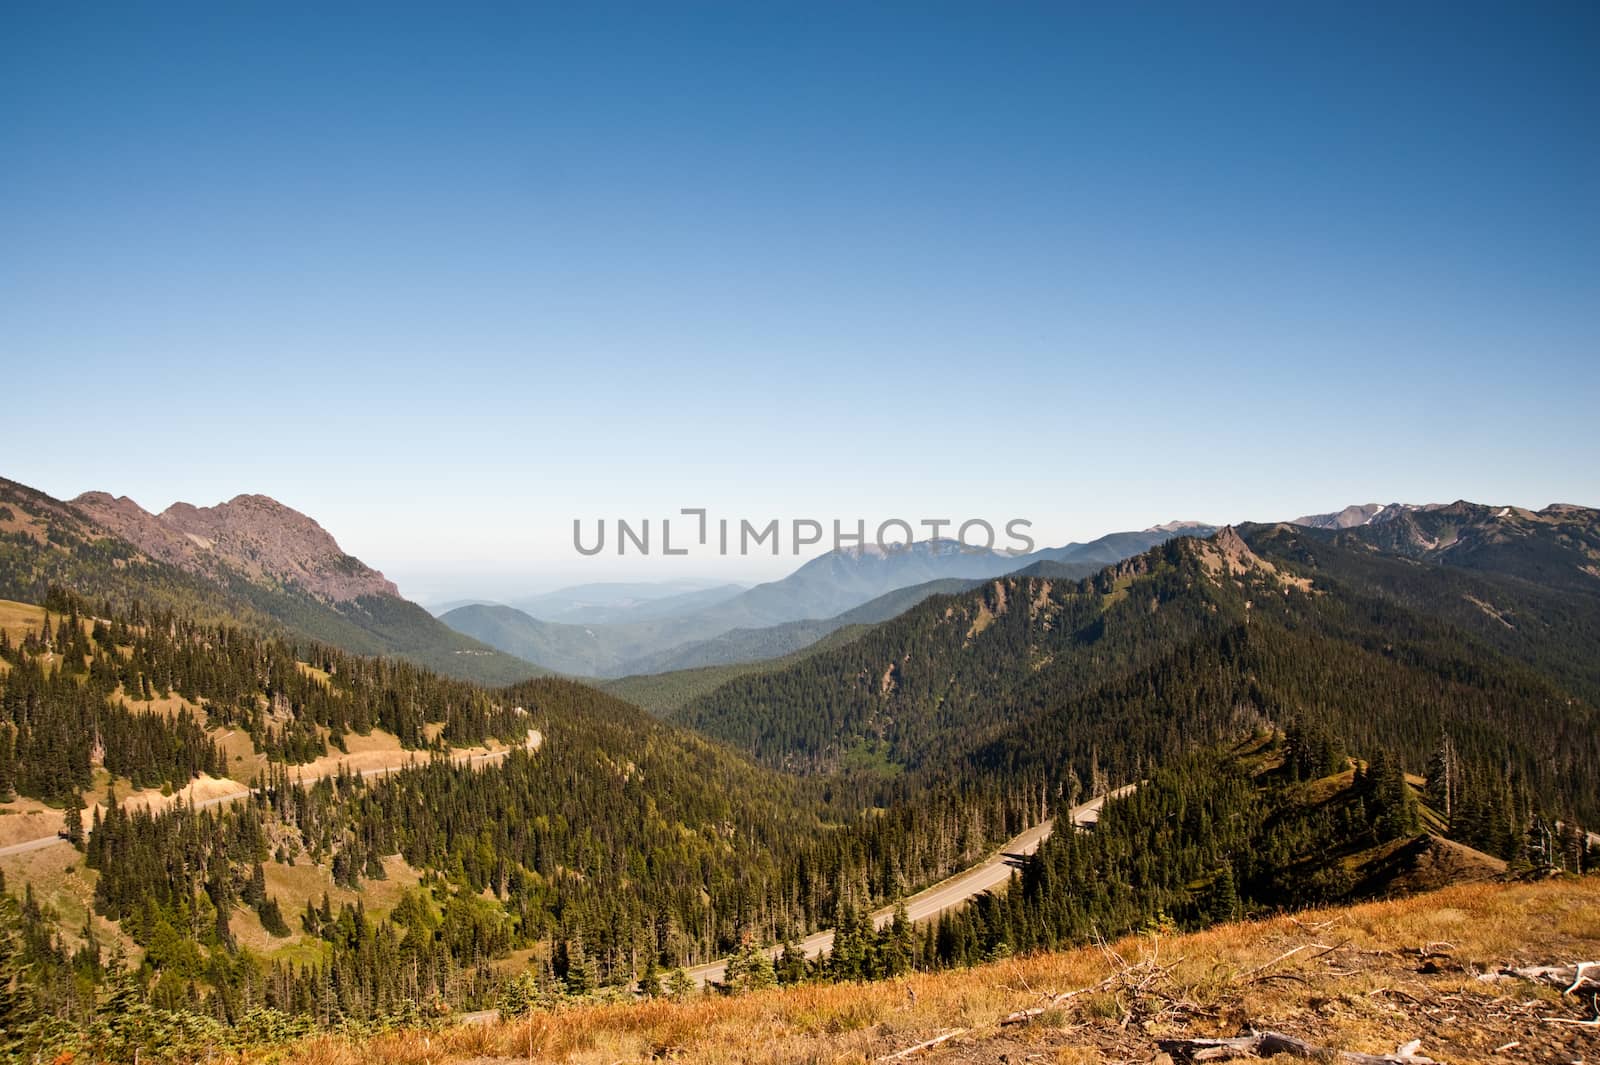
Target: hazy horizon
[(432, 581)]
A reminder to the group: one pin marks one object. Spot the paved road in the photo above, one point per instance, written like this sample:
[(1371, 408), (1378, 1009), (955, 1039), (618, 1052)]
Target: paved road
[(31, 845), (987, 875), (535, 741), (948, 894)]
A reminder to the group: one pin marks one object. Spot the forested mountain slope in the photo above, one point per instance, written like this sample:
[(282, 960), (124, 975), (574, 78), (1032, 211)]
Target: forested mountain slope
[(614, 843), (1068, 681), (1532, 599), (252, 561)]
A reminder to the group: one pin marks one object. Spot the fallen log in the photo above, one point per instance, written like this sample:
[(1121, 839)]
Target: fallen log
[(1581, 976), (1267, 1044), (1136, 978), (1052, 1002), (1022, 1016), (1285, 956), (920, 1047)]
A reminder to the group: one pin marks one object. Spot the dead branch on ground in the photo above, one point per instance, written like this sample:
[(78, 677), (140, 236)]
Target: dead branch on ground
[(925, 1045), (1267, 1044)]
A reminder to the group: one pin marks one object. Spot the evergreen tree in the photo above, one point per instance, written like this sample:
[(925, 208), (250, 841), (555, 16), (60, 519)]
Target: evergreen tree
[(850, 958), (899, 949), (73, 830), (750, 968), (792, 967), (650, 979), (582, 975), (519, 995), (8, 759), (272, 918), (679, 984), (1222, 896), (1391, 805)]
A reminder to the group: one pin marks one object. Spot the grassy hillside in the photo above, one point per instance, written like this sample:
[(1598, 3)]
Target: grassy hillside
[(1365, 978)]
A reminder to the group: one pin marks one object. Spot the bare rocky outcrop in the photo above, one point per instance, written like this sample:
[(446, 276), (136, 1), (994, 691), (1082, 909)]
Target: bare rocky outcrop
[(1226, 554), (251, 536)]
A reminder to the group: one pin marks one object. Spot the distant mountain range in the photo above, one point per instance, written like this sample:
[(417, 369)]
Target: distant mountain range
[(1558, 546), (1349, 517), (747, 645), (610, 603), (782, 616), (251, 560), (255, 559), (1431, 528)]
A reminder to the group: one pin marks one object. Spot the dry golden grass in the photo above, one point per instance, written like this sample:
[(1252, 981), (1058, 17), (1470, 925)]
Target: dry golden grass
[(319, 675), (305, 881), (15, 521), (167, 707), (1373, 992), (19, 619), (245, 763), (294, 885), (61, 882), (1320, 791), (204, 789), (24, 819)]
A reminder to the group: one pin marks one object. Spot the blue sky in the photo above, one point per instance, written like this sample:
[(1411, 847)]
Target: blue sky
[(447, 277)]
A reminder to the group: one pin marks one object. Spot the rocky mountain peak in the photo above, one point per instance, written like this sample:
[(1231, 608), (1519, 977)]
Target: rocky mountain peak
[(253, 536), (1226, 555), (1353, 516)]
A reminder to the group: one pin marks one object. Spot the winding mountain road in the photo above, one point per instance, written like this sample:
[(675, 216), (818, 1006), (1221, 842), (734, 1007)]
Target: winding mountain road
[(987, 875)]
